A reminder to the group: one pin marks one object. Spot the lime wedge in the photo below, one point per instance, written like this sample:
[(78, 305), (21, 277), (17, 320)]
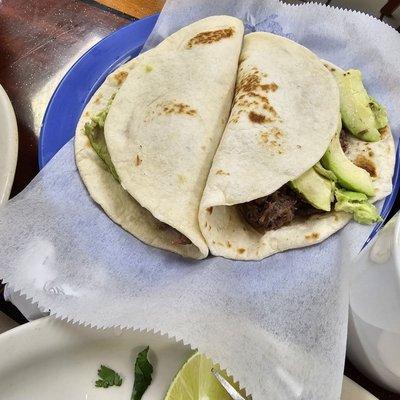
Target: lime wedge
[(195, 381)]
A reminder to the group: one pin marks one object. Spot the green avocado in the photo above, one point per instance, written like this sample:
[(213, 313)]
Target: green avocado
[(362, 115), (357, 204), (349, 176), (380, 113), (316, 190), (325, 172), (94, 130)]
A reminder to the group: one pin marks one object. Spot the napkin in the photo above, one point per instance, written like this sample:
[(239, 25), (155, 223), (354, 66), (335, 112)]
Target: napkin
[(277, 325)]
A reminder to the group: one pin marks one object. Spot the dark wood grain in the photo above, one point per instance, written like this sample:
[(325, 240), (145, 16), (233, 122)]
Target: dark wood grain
[(39, 41), (135, 8), (390, 7)]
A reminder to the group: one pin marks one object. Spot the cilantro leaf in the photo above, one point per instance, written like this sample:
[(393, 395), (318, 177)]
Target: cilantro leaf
[(143, 378), (108, 377)]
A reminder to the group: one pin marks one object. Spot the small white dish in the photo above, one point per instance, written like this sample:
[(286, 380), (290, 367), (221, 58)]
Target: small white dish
[(8, 145), (373, 343), (6, 323), (353, 391), (50, 359)]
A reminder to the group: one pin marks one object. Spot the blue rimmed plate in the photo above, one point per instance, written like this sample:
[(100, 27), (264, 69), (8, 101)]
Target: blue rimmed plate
[(83, 79), (87, 74)]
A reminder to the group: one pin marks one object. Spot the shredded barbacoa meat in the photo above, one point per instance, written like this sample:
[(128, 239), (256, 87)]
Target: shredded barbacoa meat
[(343, 140), (178, 238), (276, 210), (281, 207)]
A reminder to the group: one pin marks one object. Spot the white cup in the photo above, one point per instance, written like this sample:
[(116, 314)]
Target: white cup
[(373, 344)]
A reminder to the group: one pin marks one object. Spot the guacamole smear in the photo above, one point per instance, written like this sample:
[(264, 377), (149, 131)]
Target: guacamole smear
[(94, 130), (357, 204)]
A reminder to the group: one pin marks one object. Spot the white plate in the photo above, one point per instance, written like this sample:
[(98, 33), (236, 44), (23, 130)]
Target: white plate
[(8, 145), (353, 391), (50, 359)]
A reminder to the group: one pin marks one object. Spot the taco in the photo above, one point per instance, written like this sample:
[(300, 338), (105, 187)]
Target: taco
[(305, 150), (146, 140)]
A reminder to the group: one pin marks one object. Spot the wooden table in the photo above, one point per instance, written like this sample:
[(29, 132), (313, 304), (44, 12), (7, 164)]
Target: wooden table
[(39, 41)]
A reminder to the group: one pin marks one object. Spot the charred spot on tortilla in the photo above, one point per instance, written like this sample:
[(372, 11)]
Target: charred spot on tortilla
[(234, 119), (330, 68), (209, 210), (365, 163), (248, 83), (251, 94), (138, 160), (228, 244), (276, 132), (251, 82), (120, 77), (312, 236), (370, 153), (98, 98), (209, 37), (222, 172), (264, 137), (256, 118), (241, 250), (271, 140), (270, 87), (178, 108), (384, 132)]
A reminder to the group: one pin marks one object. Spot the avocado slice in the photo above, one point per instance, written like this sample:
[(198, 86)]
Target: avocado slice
[(94, 130), (349, 176), (380, 113), (315, 189), (362, 115), (357, 204), (325, 172)]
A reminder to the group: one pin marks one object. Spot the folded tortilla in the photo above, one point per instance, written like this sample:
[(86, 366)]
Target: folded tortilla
[(284, 115), (164, 124)]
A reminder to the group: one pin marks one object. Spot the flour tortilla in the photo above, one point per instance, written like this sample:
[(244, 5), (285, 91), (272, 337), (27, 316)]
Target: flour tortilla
[(162, 130), (104, 189), (255, 159)]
